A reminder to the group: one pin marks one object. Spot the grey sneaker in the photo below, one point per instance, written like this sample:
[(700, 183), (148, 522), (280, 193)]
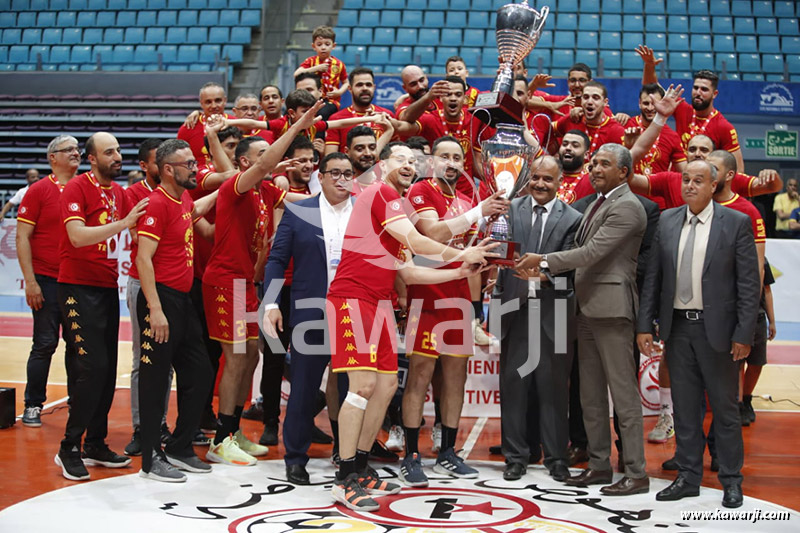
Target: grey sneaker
[(71, 465), (32, 417), (188, 464), (161, 470), (411, 471), (450, 463)]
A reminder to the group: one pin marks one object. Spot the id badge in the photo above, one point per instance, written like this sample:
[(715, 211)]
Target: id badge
[(334, 254)]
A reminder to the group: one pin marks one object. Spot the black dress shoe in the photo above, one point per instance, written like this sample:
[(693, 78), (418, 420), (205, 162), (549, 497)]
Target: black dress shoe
[(590, 477), (680, 488), (670, 464), (559, 472), (627, 486), (514, 471), (320, 437), (577, 455), (714, 464), (732, 496), (270, 435), (744, 415), (297, 474), (496, 450)]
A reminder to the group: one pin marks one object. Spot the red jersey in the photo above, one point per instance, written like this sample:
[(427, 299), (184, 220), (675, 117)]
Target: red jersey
[(665, 188), (370, 254), (715, 126), (565, 109), (426, 195), (574, 186), (267, 135), (202, 246), (196, 139), (742, 184), (85, 199), (433, 107), (608, 131), (332, 79), (338, 137), (168, 221), (40, 209), (242, 229), (666, 151), (542, 129), (135, 193), (279, 126), (472, 95), (744, 206)]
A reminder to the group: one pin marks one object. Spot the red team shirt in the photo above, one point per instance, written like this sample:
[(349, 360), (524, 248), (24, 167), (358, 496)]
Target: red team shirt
[(667, 186), (608, 131), (279, 126), (332, 79), (202, 246), (744, 206), (433, 107), (168, 220), (574, 186), (715, 126), (135, 193), (85, 199), (196, 139), (666, 151), (338, 137), (40, 209)]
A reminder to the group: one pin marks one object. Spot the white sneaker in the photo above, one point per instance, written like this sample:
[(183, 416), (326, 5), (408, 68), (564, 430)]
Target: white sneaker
[(397, 440), (229, 453), (664, 430), (248, 446), (436, 438), (479, 335)]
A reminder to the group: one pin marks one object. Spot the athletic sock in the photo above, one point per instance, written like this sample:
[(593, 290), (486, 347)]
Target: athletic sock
[(448, 437), (226, 425), (346, 467), (237, 414), (437, 411), (335, 431), (665, 396), (361, 461), (477, 308), (412, 440)]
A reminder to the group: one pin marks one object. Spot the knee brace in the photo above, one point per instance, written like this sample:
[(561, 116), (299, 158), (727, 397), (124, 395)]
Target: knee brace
[(356, 400)]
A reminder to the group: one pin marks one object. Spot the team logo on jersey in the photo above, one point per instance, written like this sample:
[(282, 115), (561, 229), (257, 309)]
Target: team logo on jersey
[(23, 210), (150, 221), (395, 205), (417, 200), (146, 360), (74, 206)]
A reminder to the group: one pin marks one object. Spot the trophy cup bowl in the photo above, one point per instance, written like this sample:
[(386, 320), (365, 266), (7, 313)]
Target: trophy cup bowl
[(519, 27)]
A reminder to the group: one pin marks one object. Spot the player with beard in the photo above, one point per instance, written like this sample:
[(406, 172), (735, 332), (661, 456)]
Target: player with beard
[(297, 178), (359, 300), (212, 102), (94, 210), (556, 105), (444, 215), (600, 127), (362, 151), (271, 102), (456, 66), (575, 182), (418, 98), (171, 334), (699, 117)]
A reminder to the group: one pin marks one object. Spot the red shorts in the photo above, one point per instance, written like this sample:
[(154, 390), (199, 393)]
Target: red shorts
[(440, 332), (219, 304), (363, 336)]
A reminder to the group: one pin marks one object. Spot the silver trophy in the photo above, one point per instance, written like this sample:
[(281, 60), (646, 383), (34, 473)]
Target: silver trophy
[(519, 27)]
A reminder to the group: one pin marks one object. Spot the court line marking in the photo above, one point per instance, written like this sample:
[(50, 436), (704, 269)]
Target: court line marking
[(48, 405), (474, 435)]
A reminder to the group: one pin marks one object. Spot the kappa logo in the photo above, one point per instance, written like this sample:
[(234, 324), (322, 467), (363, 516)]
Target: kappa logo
[(350, 347), (351, 361), (71, 301), (147, 332), (347, 334), (74, 207), (146, 360), (221, 298), (345, 320), (147, 346), (344, 306), (75, 326), (223, 323), (78, 339), (81, 351), (72, 313), (221, 311)]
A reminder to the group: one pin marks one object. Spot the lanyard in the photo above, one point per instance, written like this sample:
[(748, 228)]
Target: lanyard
[(108, 203)]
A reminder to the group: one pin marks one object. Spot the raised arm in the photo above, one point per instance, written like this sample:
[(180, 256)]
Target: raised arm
[(650, 61), (664, 108), (80, 234), (416, 109)]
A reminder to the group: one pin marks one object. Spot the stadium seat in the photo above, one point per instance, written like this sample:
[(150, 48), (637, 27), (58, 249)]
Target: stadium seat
[(81, 54), (384, 36), (563, 59), (744, 26), (234, 52), (103, 51), (187, 17), (612, 22), (567, 6), (589, 57), (655, 23), (632, 23), (632, 6), (589, 22), (12, 36), (417, 4), (352, 4), (20, 5), (157, 4), (60, 54), (472, 37), (481, 5), (208, 17), (8, 19), (654, 7), (678, 42), (790, 45), (106, 19), (769, 44), (533, 60), (400, 55), (612, 59), (678, 24), (489, 58), (40, 49), (784, 9), (589, 6), (86, 19), (424, 54), (478, 19), (700, 42), (369, 18), (240, 35), (361, 36), (762, 8), (66, 19), (774, 77), (443, 52), (741, 8), (749, 63), (343, 36), (676, 7), (51, 36), (92, 36), (146, 19), (630, 40), (787, 26), (145, 53), (766, 26), (434, 19), (566, 21), (724, 43), (656, 41), (197, 35), (727, 60), (746, 43), (545, 39), (752, 76), (139, 5), (26, 19), (175, 4), (167, 18), (451, 37), (772, 63), (390, 17), (122, 54), (169, 52), (719, 7), (438, 4), (45, 19), (188, 53), (721, 25), (564, 39), (134, 35), (679, 61), (612, 6), (587, 40), (31, 36), (152, 35), (407, 35), (347, 18), (610, 40), (429, 37), (698, 7), (113, 36), (176, 35), (793, 61), (702, 60), (631, 61), (456, 19), (699, 25), (470, 55)]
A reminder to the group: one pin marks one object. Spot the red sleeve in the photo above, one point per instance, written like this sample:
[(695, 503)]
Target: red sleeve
[(741, 184), (276, 125), (563, 125), (727, 137), (428, 127), (419, 197), (151, 224), (342, 73), (73, 202), (387, 206), (320, 126), (308, 62), (126, 204), (658, 184), (677, 155), (333, 137), (30, 207), (273, 195)]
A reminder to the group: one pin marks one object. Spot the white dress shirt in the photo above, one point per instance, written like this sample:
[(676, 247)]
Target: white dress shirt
[(334, 223), (701, 233)]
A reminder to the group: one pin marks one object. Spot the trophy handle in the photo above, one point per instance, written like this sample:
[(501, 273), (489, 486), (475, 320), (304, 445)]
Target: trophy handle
[(544, 11)]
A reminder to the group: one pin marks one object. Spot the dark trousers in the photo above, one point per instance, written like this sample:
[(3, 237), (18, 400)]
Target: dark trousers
[(306, 373), (213, 348), (92, 315), (46, 324), (186, 353), (577, 431), (695, 367), (272, 366)]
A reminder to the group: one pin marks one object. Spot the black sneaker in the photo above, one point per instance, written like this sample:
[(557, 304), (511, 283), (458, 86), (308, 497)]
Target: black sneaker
[(165, 434), (320, 437), (255, 411), (200, 439), (380, 453), (270, 435), (103, 456), (134, 447), (71, 465), (32, 417), (743, 415), (208, 423)]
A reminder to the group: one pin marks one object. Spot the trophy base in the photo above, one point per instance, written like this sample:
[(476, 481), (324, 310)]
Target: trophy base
[(507, 252), (502, 109)]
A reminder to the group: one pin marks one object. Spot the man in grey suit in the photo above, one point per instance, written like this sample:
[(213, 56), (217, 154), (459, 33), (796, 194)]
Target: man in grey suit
[(604, 261), (702, 284), (541, 223)]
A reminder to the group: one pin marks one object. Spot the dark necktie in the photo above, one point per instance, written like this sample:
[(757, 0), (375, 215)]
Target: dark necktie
[(591, 214), (538, 210)]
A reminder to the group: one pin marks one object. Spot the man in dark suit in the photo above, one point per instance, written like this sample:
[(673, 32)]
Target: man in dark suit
[(311, 232), (604, 261), (705, 295), (541, 223)]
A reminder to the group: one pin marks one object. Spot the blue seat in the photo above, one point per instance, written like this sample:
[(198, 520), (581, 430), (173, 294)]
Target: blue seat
[(7, 20), (234, 52), (198, 35), (589, 6), (724, 43), (347, 18), (86, 19), (424, 54), (612, 59), (567, 6), (390, 17), (12, 36), (66, 19), (741, 8), (725, 61), (752, 76), (589, 22), (451, 37), (612, 73), (478, 19), (656, 41), (20, 5), (92, 36), (417, 4), (721, 25), (137, 5), (612, 22), (774, 77), (702, 60), (438, 4), (700, 42), (361, 36), (545, 40), (218, 34), (679, 61), (44, 20), (472, 37), (174, 4), (429, 37), (564, 39), (407, 35), (188, 53), (369, 17), (610, 40), (482, 5), (81, 54), (470, 55), (793, 61), (31, 36), (456, 19), (157, 4), (612, 6), (633, 6), (145, 53), (126, 19), (588, 57), (787, 26), (187, 17), (71, 36), (489, 58), (25, 67), (654, 7), (146, 19), (587, 40), (167, 18), (678, 42), (169, 52), (676, 7), (699, 24), (678, 24), (51, 36), (434, 19), (632, 23), (60, 54), (749, 63), (134, 35), (3, 54), (176, 35), (102, 51), (400, 55), (122, 54), (412, 19), (154, 35), (384, 36), (533, 60), (250, 17), (106, 19), (719, 7), (352, 4), (766, 26), (655, 23), (208, 17), (39, 50), (790, 45), (38, 5), (746, 43), (116, 5), (630, 40), (393, 4), (762, 8), (343, 36), (698, 7), (744, 26), (769, 44), (378, 54), (563, 59), (784, 9), (444, 52), (772, 63), (566, 21), (26, 19), (240, 35)]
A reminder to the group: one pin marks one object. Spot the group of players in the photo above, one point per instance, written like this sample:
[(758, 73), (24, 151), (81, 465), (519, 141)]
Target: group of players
[(237, 201)]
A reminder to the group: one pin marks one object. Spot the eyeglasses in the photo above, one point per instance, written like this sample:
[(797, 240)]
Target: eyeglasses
[(189, 165), (337, 174), (67, 150)]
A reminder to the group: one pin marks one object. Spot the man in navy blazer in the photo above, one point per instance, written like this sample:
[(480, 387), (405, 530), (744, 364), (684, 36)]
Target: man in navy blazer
[(311, 232)]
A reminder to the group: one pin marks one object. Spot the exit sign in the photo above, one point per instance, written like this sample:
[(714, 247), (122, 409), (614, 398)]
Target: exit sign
[(781, 144)]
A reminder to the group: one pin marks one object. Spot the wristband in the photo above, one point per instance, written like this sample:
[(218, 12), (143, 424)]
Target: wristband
[(473, 215), (660, 119)]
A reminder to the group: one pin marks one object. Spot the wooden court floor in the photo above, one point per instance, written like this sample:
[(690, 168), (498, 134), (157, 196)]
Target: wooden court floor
[(771, 469)]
